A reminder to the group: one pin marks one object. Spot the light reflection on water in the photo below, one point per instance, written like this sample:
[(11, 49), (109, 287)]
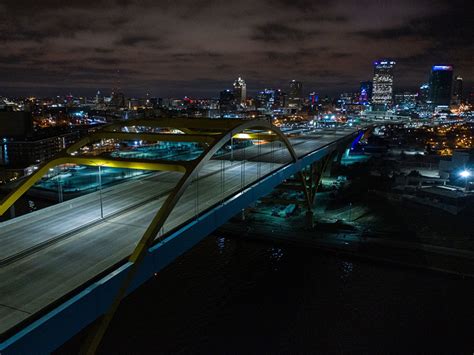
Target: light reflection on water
[(220, 241), (276, 255), (347, 268)]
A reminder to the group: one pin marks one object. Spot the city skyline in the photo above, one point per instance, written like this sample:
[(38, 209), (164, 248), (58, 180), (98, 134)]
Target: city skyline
[(198, 48)]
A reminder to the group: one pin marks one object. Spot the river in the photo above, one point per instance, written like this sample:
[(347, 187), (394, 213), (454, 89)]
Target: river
[(240, 296)]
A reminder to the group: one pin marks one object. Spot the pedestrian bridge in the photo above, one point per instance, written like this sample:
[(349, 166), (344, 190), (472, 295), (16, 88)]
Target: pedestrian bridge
[(64, 266)]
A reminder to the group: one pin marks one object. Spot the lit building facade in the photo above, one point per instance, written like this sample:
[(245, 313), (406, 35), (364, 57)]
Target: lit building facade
[(457, 91), (295, 97), (240, 91), (279, 99), (382, 92), (406, 100), (441, 82), (265, 100)]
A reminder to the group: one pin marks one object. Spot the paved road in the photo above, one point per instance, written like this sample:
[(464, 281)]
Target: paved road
[(48, 253)]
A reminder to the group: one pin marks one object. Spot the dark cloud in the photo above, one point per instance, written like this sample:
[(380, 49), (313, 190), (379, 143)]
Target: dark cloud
[(187, 57), (169, 46), (104, 61), (136, 40), (389, 33), (277, 32), (103, 50)]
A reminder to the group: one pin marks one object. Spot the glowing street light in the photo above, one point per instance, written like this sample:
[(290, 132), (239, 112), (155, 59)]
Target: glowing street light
[(465, 174)]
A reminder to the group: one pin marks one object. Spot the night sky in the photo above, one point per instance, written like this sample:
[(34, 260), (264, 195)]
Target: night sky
[(197, 47)]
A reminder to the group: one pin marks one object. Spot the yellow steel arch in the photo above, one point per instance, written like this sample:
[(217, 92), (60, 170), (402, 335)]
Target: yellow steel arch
[(108, 132), (139, 164), (152, 137), (160, 218), (234, 127)]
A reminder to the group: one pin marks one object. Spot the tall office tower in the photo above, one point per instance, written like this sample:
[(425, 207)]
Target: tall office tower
[(457, 91), (365, 92), (240, 91), (99, 98), (382, 92), (265, 100), (441, 82), (117, 99), (279, 99), (295, 97), (227, 101)]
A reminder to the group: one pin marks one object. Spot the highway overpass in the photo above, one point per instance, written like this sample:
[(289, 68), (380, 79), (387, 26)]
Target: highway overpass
[(64, 266)]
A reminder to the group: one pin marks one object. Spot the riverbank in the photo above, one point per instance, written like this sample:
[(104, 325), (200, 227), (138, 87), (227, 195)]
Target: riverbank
[(350, 239)]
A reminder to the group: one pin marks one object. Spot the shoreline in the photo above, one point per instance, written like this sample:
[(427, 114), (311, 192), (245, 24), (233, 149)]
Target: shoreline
[(360, 245)]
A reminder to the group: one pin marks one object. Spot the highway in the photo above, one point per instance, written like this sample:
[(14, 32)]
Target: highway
[(51, 252)]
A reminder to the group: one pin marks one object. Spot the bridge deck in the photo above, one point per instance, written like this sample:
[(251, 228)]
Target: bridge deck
[(51, 252)]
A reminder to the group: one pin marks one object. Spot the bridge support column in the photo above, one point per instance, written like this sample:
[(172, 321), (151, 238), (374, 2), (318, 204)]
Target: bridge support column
[(330, 159), (340, 154), (309, 219), (12, 211)]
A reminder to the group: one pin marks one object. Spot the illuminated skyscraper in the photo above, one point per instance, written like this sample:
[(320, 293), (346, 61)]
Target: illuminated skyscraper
[(99, 98), (265, 100), (279, 99), (457, 90), (382, 92), (441, 82), (240, 91), (295, 97)]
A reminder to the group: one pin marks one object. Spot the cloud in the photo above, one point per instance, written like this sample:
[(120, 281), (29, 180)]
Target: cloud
[(277, 32), (136, 40), (162, 46)]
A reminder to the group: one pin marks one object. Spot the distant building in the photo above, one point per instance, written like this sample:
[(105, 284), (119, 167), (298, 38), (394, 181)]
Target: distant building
[(16, 124), (265, 100), (382, 94), (117, 99), (20, 154), (313, 100), (226, 101), (346, 98), (424, 93), (406, 100), (461, 159), (457, 91), (279, 99), (295, 95), (365, 92), (99, 98), (441, 81), (240, 91)]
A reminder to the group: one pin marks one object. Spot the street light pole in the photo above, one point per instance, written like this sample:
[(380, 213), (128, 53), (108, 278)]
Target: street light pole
[(100, 193), (60, 188)]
